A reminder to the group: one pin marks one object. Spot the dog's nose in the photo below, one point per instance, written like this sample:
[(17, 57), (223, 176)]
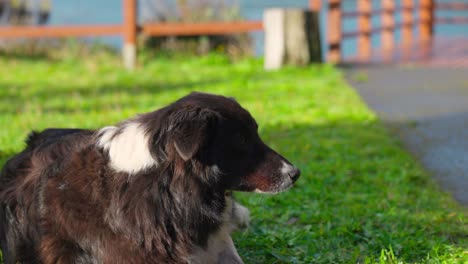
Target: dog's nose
[(294, 174)]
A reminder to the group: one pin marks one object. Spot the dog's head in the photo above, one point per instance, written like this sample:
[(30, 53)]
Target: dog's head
[(200, 130), (219, 133)]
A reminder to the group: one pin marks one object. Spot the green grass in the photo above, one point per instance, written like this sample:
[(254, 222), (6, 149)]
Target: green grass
[(361, 198)]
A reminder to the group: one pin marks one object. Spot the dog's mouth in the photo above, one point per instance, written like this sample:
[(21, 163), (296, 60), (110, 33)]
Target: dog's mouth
[(260, 183), (277, 188)]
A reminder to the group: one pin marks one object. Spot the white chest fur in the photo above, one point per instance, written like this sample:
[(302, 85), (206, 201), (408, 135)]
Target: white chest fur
[(220, 248)]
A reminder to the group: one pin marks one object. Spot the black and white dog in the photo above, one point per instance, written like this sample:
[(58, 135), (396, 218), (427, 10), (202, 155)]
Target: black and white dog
[(152, 189)]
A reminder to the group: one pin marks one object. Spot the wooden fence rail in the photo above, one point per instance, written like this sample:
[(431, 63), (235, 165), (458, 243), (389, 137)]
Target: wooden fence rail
[(451, 6), (59, 31), (129, 30), (335, 17), (425, 25), (208, 28)]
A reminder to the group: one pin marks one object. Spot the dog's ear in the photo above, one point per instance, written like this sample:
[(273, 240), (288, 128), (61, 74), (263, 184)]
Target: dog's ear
[(191, 130)]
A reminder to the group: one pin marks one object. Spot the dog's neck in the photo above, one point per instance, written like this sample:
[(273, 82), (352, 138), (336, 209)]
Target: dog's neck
[(184, 208)]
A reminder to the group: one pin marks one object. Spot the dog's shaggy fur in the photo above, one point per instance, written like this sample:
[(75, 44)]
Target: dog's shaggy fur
[(152, 189)]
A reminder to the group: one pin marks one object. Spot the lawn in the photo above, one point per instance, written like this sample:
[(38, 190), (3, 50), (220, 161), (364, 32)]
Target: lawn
[(361, 198)]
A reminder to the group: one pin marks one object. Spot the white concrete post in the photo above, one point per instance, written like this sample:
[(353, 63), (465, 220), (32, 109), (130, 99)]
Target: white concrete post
[(292, 36)]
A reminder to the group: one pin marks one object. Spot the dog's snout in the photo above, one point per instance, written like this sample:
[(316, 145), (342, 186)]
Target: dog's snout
[(290, 171), (294, 174)]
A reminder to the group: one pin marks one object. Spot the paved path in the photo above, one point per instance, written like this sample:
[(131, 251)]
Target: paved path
[(428, 109)]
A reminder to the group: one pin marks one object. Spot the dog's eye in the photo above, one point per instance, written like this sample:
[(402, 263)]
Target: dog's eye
[(242, 139), (240, 145)]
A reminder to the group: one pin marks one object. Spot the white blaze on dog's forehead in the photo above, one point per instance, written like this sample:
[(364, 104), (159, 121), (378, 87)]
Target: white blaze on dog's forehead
[(127, 147)]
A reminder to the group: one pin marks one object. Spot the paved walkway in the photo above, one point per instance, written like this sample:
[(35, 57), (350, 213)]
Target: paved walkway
[(427, 108)]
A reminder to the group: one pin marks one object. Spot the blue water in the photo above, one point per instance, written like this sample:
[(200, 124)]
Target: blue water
[(110, 11)]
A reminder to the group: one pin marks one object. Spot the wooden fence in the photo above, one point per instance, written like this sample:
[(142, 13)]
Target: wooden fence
[(129, 30), (335, 36), (414, 31)]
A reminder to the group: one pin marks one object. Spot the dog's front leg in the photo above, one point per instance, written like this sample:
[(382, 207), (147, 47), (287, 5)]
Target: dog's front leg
[(229, 254), (239, 219)]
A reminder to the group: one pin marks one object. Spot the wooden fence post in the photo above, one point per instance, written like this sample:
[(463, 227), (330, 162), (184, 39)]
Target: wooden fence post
[(292, 36), (334, 31), (364, 27), (315, 5), (129, 33), (275, 42), (388, 26), (407, 20), (426, 16)]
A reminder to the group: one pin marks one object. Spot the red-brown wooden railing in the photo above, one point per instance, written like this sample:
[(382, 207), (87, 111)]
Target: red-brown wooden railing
[(129, 30), (335, 17), (425, 24), (453, 19), (334, 33)]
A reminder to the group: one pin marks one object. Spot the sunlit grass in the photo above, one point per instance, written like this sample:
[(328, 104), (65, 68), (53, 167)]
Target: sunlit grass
[(361, 198)]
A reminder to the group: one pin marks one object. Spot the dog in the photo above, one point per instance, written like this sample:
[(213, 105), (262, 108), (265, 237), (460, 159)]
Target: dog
[(151, 189)]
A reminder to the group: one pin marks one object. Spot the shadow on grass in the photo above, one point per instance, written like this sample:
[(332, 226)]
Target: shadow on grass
[(26, 56), (359, 194), (134, 88), (92, 95)]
